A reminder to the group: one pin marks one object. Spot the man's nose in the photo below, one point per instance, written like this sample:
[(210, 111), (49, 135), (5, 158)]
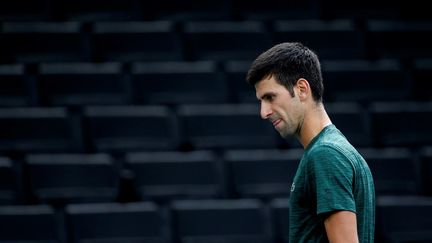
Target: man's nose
[(265, 111)]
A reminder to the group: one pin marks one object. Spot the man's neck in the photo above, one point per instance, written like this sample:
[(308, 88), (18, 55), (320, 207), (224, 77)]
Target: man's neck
[(315, 120)]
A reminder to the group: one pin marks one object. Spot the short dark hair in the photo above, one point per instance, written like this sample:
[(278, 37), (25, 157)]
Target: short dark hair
[(288, 62)]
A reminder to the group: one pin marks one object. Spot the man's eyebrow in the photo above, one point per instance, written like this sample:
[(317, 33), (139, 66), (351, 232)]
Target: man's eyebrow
[(266, 95)]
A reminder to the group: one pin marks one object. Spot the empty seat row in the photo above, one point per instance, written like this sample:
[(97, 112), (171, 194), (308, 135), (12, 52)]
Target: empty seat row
[(206, 40), (403, 219), (221, 126), (192, 9), (398, 219), (133, 128), (173, 83), (164, 176), (186, 221)]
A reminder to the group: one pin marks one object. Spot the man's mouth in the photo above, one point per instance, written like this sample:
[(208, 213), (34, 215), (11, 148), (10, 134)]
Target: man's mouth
[(276, 122)]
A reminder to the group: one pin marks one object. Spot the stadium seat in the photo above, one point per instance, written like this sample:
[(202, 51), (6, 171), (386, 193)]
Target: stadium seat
[(224, 40), (69, 178), (81, 84), (275, 9), (136, 41), (240, 90), (187, 10), (141, 222), (225, 126), (8, 182), (32, 42), (399, 39), (365, 81), (37, 129), (13, 86), (404, 219), (130, 128), (175, 175), (352, 120), (426, 170), (361, 9), (173, 83), (20, 10), (95, 10), (336, 39), (215, 221), (262, 174), (422, 87), (32, 224), (402, 123), (394, 170), (280, 219)]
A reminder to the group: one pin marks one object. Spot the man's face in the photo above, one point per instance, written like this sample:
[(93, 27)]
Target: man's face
[(284, 111)]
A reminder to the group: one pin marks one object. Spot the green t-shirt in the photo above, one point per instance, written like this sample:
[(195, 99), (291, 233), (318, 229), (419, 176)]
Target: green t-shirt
[(331, 176)]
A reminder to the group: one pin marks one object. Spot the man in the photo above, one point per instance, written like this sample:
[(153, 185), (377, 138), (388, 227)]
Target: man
[(332, 197)]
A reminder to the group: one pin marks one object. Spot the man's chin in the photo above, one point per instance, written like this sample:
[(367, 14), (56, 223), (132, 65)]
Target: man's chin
[(284, 134)]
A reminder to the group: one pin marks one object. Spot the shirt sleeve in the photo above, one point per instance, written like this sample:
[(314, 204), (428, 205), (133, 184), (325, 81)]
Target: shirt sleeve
[(332, 180)]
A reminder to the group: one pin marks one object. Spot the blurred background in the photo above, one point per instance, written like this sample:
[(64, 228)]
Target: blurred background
[(131, 121)]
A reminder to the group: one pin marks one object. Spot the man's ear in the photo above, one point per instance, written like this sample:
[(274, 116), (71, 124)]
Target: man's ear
[(303, 89)]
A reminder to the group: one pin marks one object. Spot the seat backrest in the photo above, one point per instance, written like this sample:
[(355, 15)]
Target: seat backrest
[(225, 40), (113, 222), (8, 181), (130, 128), (405, 219), (402, 123), (173, 83), (36, 223), (262, 173), (38, 129), (394, 170), (136, 41), (68, 178), (365, 81), (44, 41), (13, 86), (175, 175), (334, 39), (225, 126), (81, 84), (221, 221)]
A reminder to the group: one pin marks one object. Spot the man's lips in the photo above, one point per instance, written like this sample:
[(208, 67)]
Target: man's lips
[(276, 122)]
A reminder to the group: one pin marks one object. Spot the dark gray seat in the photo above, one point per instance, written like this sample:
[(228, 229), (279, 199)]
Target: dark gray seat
[(225, 126), (81, 84), (262, 174), (38, 129), (136, 41), (141, 222), (404, 219), (173, 83), (8, 181), (402, 123), (227, 221), (44, 42), (399, 39), (336, 39), (174, 175), (225, 40), (365, 81), (33, 224), (14, 90), (130, 128), (352, 120), (68, 178), (394, 170)]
